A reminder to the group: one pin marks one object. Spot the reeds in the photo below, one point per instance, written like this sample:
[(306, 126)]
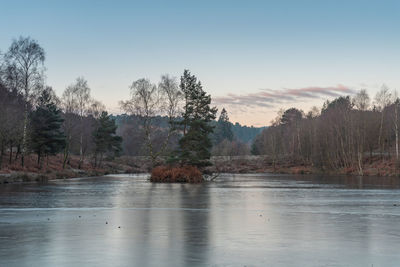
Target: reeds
[(169, 174)]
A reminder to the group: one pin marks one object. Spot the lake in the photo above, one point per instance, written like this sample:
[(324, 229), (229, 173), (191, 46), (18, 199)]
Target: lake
[(238, 220)]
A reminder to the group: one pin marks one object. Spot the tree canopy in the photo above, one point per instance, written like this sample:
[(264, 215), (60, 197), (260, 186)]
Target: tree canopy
[(195, 144), (47, 137), (105, 137)]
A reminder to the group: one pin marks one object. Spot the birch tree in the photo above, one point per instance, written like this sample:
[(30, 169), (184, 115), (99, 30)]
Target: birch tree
[(395, 117), (149, 100), (77, 101), (382, 99), (69, 105), (361, 101), (24, 64)]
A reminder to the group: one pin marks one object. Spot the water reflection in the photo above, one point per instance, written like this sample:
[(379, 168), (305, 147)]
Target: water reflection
[(259, 220), (360, 182), (195, 223)]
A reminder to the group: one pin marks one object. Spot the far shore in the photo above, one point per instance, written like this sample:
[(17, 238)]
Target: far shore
[(221, 164), (372, 166)]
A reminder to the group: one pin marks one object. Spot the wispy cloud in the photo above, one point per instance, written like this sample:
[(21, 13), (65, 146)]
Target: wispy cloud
[(269, 98)]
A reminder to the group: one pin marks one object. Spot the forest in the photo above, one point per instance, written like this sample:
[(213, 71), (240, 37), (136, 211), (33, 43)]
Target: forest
[(76, 129), (33, 119), (173, 121), (347, 133)]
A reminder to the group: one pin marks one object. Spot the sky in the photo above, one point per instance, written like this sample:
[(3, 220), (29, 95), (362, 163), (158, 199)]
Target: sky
[(253, 57)]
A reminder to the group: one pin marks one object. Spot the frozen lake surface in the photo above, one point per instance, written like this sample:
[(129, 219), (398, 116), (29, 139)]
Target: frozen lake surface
[(238, 220)]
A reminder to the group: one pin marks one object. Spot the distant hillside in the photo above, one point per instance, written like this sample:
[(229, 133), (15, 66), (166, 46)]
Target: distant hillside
[(244, 133)]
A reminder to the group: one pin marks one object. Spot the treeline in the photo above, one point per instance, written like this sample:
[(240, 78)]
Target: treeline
[(174, 121), (225, 141), (342, 134), (245, 133), (187, 108), (34, 120), (158, 120), (235, 141)]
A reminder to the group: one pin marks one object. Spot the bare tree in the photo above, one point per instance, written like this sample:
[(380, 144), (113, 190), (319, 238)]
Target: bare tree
[(313, 113), (69, 105), (395, 117), (382, 99), (11, 121), (147, 101), (144, 103), (96, 108), (171, 94), (361, 100), (24, 63), (171, 98), (77, 101)]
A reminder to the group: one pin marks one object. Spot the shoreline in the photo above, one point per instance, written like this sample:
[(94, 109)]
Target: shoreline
[(30, 177), (53, 169), (373, 167)]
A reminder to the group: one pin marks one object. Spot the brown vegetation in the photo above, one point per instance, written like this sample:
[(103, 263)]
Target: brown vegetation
[(170, 174), (373, 166), (52, 169)]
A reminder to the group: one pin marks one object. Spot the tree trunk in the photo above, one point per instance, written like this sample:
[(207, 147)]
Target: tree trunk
[(101, 159), (38, 160), (18, 151), (66, 155), (11, 152), (66, 151), (396, 133), (1, 154), (24, 135), (380, 135), (80, 151), (360, 169)]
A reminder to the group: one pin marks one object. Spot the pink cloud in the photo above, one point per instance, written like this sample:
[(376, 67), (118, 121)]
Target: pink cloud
[(268, 98)]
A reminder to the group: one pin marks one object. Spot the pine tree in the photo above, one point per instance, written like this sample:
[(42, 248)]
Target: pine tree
[(223, 128), (195, 145), (105, 137), (47, 137), (188, 86)]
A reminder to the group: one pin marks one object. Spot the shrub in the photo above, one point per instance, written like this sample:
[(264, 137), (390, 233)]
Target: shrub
[(169, 174)]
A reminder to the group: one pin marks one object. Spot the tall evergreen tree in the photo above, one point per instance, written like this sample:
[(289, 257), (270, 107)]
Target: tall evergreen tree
[(105, 138), (195, 145), (47, 137), (188, 86)]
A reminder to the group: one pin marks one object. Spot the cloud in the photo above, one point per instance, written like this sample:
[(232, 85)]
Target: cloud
[(269, 98)]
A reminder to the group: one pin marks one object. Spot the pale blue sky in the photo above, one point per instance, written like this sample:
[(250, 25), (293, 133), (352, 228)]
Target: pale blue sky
[(236, 48)]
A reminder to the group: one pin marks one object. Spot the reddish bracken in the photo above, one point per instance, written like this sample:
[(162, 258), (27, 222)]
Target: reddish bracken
[(169, 174)]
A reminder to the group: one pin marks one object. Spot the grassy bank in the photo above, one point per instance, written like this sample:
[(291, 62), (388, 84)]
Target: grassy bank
[(372, 166), (52, 169)]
